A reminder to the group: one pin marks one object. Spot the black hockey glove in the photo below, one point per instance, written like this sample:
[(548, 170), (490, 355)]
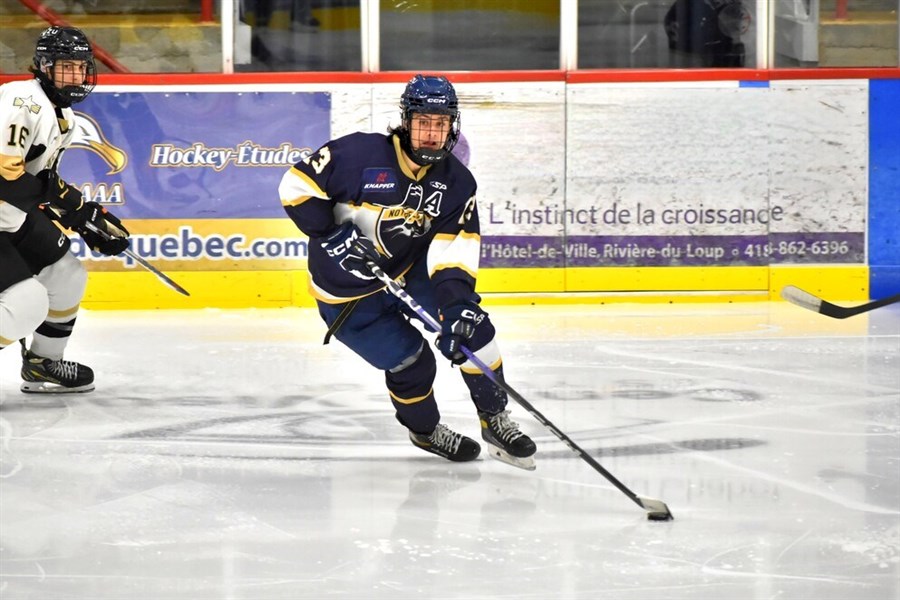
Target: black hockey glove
[(61, 194), (350, 249), (458, 323), (100, 229)]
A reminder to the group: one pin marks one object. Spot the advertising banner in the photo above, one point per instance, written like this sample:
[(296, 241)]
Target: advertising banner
[(686, 175), (193, 155), (195, 175), (589, 175)]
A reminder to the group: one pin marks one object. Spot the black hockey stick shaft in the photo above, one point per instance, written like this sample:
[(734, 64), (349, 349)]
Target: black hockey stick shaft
[(657, 509), (54, 214), (139, 260), (800, 297)]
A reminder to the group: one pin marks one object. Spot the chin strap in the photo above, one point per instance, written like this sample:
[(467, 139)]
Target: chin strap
[(56, 97)]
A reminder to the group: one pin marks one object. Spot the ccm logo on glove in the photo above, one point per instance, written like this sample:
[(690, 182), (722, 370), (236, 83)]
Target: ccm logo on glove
[(351, 250), (458, 323), (342, 245), (471, 315)]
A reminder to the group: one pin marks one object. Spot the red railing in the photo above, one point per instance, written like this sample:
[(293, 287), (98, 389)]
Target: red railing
[(206, 11), (54, 19), (840, 10), (325, 78), (206, 16)]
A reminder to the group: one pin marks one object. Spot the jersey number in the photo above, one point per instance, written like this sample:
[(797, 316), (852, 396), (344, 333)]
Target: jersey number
[(467, 211), (20, 138), (324, 157)]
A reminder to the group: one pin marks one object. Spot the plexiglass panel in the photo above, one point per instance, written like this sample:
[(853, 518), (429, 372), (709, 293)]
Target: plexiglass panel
[(177, 36), (141, 36), (835, 33), (666, 33), (469, 34), (298, 35)]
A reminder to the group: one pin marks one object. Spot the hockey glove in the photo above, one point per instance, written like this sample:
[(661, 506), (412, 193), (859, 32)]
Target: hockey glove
[(350, 249), (61, 194), (100, 229), (458, 323)]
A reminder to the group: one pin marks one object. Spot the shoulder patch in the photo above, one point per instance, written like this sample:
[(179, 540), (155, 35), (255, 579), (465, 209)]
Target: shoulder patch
[(28, 104)]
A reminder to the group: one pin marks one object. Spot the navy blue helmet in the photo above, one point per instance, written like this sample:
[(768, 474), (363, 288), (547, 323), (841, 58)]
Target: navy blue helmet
[(434, 95), (64, 43)]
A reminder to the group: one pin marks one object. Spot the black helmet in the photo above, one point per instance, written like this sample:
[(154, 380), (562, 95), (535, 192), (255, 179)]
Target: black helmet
[(64, 43), (429, 94)]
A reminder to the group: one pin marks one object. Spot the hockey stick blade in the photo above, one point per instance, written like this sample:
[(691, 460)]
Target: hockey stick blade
[(656, 509), (802, 298), (139, 260)]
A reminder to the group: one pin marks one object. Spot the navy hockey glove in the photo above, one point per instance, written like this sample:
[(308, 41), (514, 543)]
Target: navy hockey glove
[(458, 323), (350, 249), (100, 229)]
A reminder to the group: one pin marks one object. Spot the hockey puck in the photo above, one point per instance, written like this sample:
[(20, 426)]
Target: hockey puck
[(660, 516)]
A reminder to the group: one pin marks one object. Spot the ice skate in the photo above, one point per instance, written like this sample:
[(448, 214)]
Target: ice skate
[(506, 442), (44, 375), (445, 442)]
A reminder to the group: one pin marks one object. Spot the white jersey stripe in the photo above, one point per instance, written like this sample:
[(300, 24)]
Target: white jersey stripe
[(296, 188), (460, 252)]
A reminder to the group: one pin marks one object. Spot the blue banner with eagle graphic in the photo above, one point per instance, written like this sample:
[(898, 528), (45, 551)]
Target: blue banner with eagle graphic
[(194, 174), (193, 155)]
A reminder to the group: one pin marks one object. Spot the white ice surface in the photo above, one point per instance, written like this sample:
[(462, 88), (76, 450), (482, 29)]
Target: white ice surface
[(229, 455)]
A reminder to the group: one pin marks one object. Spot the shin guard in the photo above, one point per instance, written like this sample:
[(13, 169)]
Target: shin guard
[(412, 394), (485, 394)]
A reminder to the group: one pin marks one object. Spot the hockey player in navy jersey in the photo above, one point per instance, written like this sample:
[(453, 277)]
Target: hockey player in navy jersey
[(404, 202)]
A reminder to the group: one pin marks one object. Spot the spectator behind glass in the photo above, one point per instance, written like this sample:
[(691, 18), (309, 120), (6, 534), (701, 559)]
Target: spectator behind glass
[(707, 33)]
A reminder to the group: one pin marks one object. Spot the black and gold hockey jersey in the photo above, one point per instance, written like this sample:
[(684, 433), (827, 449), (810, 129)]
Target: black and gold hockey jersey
[(34, 134)]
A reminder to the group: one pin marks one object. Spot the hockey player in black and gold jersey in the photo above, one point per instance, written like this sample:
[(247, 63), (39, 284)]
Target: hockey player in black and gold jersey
[(403, 201), (41, 282)]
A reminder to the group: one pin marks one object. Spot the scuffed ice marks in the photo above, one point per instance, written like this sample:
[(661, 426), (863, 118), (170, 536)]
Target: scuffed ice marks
[(875, 547)]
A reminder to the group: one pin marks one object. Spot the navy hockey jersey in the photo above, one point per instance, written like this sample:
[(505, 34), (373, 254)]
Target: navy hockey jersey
[(363, 178)]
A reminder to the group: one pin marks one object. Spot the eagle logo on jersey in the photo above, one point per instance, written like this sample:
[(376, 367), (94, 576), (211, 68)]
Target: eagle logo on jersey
[(89, 136), (28, 104), (404, 222), (411, 219)]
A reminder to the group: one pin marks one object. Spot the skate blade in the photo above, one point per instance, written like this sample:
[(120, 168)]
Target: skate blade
[(45, 387), (526, 463)]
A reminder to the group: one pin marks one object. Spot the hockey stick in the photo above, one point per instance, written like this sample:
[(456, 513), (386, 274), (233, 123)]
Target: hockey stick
[(54, 214), (811, 302), (127, 252), (656, 509)]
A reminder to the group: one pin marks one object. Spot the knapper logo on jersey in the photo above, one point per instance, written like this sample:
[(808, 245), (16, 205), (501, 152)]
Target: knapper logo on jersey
[(246, 154), (89, 136), (379, 180)]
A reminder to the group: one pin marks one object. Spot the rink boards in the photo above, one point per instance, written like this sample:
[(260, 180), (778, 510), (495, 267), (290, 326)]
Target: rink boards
[(596, 186)]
